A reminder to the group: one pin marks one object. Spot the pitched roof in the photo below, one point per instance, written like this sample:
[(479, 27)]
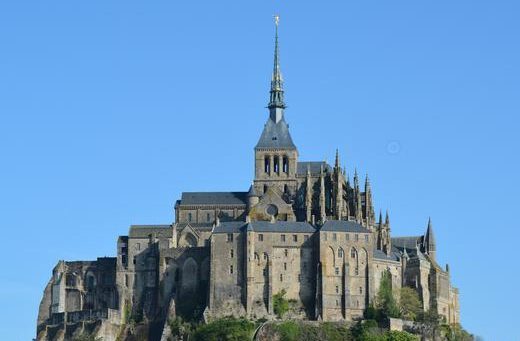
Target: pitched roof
[(409, 243), (265, 226), (213, 198), (144, 231), (378, 254), (343, 226), (313, 166), (276, 135)]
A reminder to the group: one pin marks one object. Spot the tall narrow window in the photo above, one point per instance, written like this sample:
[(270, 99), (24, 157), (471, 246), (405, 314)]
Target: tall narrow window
[(190, 216), (230, 237), (334, 236), (337, 289), (295, 237), (285, 165), (282, 238), (208, 217), (266, 164), (285, 266), (286, 252), (340, 253), (276, 164), (260, 237), (285, 189), (281, 278), (231, 269), (231, 253)]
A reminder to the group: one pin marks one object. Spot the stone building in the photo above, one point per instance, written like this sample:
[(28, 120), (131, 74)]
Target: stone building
[(303, 227)]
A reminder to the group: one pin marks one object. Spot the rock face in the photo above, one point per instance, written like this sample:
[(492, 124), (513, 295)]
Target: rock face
[(302, 228)]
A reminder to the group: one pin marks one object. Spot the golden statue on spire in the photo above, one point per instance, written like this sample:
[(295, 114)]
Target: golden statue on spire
[(276, 19)]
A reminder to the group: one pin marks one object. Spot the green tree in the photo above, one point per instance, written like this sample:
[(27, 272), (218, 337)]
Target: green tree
[(229, 329), (87, 337), (409, 303), (385, 298), (280, 304)]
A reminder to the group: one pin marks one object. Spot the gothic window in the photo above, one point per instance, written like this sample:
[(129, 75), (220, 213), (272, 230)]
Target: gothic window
[(230, 237), (285, 189), (282, 238), (266, 164), (265, 188), (285, 165), (276, 164), (353, 253), (295, 238), (208, 217), (260, 237), (190, 216), (340, 253)]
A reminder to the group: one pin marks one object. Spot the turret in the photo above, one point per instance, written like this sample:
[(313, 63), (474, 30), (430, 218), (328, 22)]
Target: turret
[(252, 197), (369, 208), (357, 199), (338, 188), (429, 241), (308, 195), (323, 214)]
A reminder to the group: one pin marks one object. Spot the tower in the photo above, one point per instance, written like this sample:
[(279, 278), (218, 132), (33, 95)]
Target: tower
[(429, 245), (276, 155)]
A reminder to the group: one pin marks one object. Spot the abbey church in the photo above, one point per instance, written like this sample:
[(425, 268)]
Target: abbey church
[(303, 228)]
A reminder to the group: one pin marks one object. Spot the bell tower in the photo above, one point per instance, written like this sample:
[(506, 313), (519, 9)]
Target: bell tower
[(276, 155)]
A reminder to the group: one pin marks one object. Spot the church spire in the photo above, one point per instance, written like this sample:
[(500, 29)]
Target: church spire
[(276, 99), (429, 240)]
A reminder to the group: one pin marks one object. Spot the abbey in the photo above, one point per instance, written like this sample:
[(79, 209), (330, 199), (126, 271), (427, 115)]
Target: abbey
[(303, 227)]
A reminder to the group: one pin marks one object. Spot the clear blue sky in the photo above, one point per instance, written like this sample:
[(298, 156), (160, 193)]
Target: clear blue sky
[(109, 109)]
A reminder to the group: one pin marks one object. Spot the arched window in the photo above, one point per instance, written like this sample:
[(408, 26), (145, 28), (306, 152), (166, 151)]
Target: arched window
[(190, 216), (266, 164), (208, 217), (285, 165), (353, 253), (265, 188), (285, 189), (276, 164), (340, 253)]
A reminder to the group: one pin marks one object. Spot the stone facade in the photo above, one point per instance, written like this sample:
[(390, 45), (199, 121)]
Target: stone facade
[(303, 228)]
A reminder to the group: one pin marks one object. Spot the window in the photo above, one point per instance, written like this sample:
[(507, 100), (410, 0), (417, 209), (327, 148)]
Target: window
[(230, 237), (231, 269), (276, 164), (266, 164), (356, 237), (285, 165), (337, 289), (208, 217), (265, 188), (286, 252), (265, 256), (299, 278), (366, 238), (306, 237), (360, 290), (281, 278), (231, 253), (260, 237), (340, 253), (336, 271), (285, 266), (356, 271), (294, 238), (353, 253), (334, 236), (190, 216), (285, 189), (135, 260), (264, 272), (282, 237)]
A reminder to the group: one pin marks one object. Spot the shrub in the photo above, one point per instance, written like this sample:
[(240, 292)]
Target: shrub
[(280, 304), (409, 303), (226, 329)]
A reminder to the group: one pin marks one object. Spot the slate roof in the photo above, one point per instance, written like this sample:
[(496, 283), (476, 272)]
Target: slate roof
[(213, 198), (314, 166), (409, 243), (276, 135), (265, 226), (143, 231), (343, 226), (378, 254)]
